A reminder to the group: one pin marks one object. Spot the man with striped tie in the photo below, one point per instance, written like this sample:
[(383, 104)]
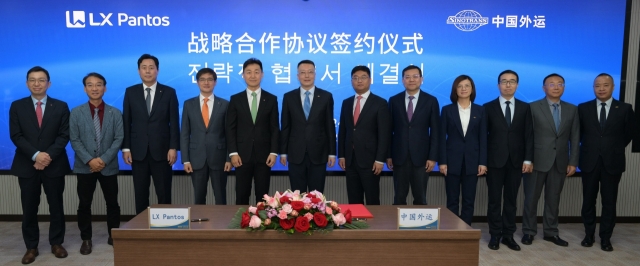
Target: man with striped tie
[(96, 134)]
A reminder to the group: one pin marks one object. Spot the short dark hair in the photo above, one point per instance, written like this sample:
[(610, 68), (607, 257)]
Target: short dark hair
[(599, 75), (252, 61), (411, 67), (206, 70), (148, 56), (454, 88), (306, 61), (38, 69), (96, 75), (552, 75), (509, 71), (361, 68)]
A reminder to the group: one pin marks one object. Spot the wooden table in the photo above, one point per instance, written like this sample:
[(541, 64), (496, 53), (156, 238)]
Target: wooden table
[(208, 243)]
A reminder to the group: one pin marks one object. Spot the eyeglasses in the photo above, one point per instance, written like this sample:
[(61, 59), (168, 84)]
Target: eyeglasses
[(508, 82), (362, 78), (310, 73), (552, 85), (416, 76), (205, 80), (34, 81)]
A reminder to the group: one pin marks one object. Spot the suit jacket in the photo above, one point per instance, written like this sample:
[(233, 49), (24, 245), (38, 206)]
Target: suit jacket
[(456, 147), (159, 130), (202, 145), (515, 142), (609, 143), (370, 137), (245, 137), (83, 138), (51, 138), (316, 135), (418, 138), (550, 146)]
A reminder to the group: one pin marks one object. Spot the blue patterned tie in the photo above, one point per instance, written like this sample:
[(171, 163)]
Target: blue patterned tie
[(307, 105), (556, 116), (97, 127)]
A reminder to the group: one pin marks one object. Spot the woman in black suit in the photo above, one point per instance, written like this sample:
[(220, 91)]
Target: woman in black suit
[(463, 147)]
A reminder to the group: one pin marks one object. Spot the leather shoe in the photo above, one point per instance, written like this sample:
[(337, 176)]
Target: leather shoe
[(527, 239), (588, 241), (510, 243), (556, 240), (494, 243), (110, 241), (59, 251), (606, 245), (30, 256), (85, 249)]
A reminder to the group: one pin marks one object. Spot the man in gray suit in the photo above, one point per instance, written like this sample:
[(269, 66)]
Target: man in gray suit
[(96, 133), (556, 141), (203, 141)]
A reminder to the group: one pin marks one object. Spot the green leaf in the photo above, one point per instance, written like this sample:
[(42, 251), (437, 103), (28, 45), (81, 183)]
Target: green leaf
[(262, 214), (237, 218)]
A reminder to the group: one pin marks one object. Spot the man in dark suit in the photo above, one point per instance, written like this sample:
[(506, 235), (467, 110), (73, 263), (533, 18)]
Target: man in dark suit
[(252, 134), (39, 127), (606, 128), (363, 139), (151, 133), (203, 140), (509, 154), (96, 137), (414, 142), (556, 134), (308, 135)]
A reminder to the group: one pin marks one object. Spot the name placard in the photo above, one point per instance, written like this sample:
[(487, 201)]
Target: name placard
[(169, 218), (418, 219)]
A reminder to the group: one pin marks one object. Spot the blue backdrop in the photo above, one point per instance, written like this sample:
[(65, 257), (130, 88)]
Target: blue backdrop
[(577, 39)]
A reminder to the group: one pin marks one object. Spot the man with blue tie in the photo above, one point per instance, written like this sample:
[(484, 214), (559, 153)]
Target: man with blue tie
[(308, 135), (415, 124), (556, 138), (96, 136)]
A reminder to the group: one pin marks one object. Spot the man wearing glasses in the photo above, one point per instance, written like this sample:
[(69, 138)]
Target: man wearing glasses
[(363, 139), (509, 155), (414, 143), (308, 135), (556, 141)]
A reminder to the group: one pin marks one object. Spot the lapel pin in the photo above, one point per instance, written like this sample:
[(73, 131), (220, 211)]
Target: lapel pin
[(474, 117), (616, 106)]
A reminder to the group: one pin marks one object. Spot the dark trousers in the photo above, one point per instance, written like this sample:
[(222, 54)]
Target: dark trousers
[(503, 184), (307, 176), (362, 182), (252, 171), (30, 190), (86, 187), (409, 175), (468, 184), (593, 181), (162, 178), (200, 180)]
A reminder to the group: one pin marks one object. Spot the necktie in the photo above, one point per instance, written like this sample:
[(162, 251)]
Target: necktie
[(39, 113), (97, 128), (307, 105), (556, 116), (148, 100), (356, 112), (254, 106), (410, 108), (603, 115), (205, 112), (507, 114)]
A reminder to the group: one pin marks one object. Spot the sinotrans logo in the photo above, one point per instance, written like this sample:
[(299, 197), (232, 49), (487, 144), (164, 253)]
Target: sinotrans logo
[(78, 19), (468, 20)]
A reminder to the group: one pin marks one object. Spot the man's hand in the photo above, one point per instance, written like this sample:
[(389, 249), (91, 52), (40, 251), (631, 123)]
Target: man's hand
[(187, 168), (443, 169), (390, 164), (95, 165), (236, 161), (172, 155), (271, 160), (39, 166), (227, 166), (527, 168), (126, 156), (430, 165), (283, 160), (482, 170), (341, 163), (377, 168), (43, 159), (331, 161), (571, 170)]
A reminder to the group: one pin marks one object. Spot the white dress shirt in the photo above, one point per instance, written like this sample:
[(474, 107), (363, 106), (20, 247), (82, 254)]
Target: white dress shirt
[(415, 101), (607, 107), (365, 96), (465, 116), (512, 106), (312, 92), (209, 104), (153, 93)]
